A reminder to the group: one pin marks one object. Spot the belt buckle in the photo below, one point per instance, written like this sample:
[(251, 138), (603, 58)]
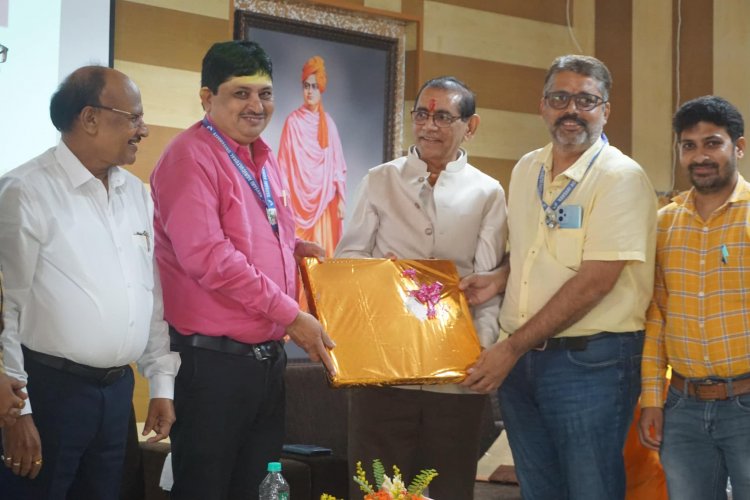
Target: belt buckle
[(542, 347), (705, 383), (260, 354)]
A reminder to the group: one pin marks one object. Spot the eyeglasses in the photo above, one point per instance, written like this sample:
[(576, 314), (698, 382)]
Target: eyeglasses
[(136, 120), (583, 101), (441, 119), (3, 53)]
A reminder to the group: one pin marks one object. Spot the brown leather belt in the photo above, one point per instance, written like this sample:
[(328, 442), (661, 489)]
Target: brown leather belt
[(711, 390)]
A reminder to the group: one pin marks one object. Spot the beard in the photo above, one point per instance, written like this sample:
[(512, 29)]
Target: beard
[(585, 137), (722, 177)]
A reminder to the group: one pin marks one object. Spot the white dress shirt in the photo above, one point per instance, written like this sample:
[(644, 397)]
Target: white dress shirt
[(80, 281), (461, 218)]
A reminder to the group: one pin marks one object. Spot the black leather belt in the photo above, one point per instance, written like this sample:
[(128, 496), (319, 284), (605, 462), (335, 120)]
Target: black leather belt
[(104, 376), (573, 343), (266, 350)]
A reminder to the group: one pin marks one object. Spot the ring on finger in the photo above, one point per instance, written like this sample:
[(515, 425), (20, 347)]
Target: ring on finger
[(16, 464), (38, 461)]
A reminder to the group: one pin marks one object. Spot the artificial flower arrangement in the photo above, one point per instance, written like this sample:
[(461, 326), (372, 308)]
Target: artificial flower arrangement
[(390, 488)]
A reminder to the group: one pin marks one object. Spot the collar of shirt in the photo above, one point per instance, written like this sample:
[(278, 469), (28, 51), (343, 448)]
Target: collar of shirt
[(418, 166), (578, 169), (741, 192), (78, 174), (260, 150)]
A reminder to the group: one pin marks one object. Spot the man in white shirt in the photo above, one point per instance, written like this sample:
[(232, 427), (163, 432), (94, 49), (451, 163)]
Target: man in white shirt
[(82, 297), (429, 204), (11, 396)]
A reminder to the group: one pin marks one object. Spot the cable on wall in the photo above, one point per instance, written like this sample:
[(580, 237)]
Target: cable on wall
[(570, 27)]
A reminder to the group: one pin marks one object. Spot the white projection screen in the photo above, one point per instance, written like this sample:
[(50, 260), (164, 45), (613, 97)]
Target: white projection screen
[(46, 41)]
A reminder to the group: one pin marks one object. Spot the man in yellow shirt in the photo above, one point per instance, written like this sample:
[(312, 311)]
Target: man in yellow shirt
[(699, 318), (582, 220)]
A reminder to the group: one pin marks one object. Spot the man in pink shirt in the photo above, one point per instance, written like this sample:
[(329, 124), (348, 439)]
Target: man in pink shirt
[(226, 250)]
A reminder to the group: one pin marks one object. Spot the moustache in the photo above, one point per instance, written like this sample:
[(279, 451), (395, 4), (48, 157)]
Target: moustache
[(703, 164), (569, 117)]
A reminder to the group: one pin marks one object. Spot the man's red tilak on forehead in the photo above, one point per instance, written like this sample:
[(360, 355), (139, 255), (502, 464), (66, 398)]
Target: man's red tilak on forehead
[(433, 103)]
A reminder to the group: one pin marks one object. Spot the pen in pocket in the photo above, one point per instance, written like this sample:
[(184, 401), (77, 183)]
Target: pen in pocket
[(724, 254)]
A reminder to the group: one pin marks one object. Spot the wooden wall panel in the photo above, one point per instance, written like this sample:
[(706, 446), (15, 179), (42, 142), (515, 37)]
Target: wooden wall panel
[(493, 37), (150, 149), (614, 47), (503, 86), (538, 10), (694, 54), (165, 37)]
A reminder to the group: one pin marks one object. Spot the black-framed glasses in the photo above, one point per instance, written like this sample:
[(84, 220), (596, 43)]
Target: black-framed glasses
[(583, 100), (136, 119), (3, 53), (441, 119)]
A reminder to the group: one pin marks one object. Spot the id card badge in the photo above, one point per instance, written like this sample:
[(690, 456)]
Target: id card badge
[(569, 216)]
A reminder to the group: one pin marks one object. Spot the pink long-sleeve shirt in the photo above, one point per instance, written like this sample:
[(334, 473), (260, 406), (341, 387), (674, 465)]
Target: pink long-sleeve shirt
[(223, 270)]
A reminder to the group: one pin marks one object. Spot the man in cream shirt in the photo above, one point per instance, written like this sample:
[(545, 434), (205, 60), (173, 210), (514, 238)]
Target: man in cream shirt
[(582, 219), (429, 204)]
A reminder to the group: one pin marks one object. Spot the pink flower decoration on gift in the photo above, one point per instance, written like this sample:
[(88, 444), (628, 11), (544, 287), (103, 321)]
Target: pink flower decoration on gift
[(429, 295)]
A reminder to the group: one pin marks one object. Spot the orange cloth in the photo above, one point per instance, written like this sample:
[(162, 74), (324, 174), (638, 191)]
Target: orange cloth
[(316, 65), (316, 177), (643, 472)]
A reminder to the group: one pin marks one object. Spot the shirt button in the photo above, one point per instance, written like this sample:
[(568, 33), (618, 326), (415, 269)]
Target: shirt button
[(700, 325), (700, 294), (428, 231), (132, 323), (702, 262), (416, 205), (421, 179), (705, 229)]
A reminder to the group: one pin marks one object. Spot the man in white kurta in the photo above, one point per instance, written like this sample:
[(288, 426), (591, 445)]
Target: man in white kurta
[(429, 204)]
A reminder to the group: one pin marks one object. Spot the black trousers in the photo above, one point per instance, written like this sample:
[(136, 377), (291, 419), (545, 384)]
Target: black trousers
[(416, 430), (83, 427), (230, 424)]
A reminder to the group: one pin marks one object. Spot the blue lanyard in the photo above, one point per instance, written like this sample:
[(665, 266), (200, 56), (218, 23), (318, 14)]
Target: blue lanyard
[(263, 195), (549, 210)]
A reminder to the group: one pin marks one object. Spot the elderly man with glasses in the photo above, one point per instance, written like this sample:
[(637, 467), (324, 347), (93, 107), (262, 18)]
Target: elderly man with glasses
[(582, 219), (83, 299), (429, 204)]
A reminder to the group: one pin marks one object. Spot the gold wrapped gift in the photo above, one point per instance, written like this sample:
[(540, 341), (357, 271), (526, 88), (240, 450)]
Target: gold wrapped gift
[(394, 322)]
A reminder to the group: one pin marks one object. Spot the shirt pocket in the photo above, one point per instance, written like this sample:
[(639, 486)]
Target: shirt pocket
[(144, 259), (569, 247)]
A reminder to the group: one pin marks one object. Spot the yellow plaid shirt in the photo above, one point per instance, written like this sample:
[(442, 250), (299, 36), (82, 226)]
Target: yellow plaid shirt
[(699, 317)]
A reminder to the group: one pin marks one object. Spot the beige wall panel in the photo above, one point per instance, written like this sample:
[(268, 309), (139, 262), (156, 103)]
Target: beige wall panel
[(507, 135), (499, 169), (539, 10), (502, 134), (213, 8), (170, 96), (163, 37), (498, 85), (150, 150), (652, 90), (583, 20), (392, 5), (460, 31), (732, 59)]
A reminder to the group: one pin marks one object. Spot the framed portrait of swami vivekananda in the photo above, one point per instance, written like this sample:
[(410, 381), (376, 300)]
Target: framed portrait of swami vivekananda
[(338, 84), (363, 58)]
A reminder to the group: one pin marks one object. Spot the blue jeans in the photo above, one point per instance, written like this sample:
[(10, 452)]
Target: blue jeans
[(704, 441), (567, 414)]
